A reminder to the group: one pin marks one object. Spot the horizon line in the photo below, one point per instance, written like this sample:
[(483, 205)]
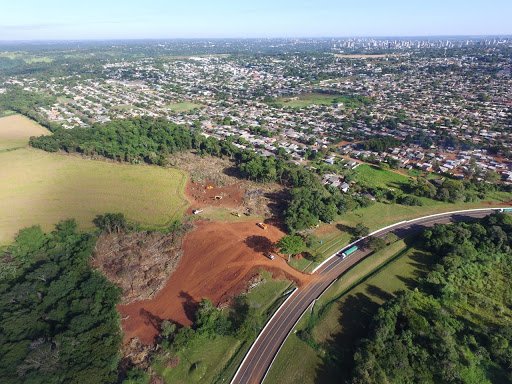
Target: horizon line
[(504, 35)]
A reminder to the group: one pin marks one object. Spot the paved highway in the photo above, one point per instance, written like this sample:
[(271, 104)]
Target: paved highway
[(263, 351)]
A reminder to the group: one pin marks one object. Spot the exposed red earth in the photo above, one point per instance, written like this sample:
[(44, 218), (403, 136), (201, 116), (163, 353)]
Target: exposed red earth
[(210, 195), (219, 259)]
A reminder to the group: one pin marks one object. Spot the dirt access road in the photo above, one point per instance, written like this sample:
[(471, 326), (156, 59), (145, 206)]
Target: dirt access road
[(219, 259)]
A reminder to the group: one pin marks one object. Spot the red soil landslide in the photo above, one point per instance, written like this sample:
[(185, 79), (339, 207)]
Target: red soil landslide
[(218, 261)]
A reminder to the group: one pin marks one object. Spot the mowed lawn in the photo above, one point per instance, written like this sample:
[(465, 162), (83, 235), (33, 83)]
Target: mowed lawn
[(345, 317), (184, 106), (37, 187), (15, 130), (306, 100)]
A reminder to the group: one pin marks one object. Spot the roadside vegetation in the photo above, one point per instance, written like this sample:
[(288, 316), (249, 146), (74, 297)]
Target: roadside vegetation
[(331, 328), (451, 283), (456, 328)]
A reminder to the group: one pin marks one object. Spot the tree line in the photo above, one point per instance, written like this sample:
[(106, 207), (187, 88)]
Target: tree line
[(26, 103), (153, 140)]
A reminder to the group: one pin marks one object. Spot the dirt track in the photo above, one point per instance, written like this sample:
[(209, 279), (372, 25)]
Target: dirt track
[(219, 259)]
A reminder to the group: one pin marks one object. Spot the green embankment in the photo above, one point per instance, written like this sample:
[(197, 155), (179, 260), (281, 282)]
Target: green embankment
[(342, 315)]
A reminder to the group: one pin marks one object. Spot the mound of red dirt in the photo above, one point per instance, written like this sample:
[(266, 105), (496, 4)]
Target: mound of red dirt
[(219, 259), (211, 195)]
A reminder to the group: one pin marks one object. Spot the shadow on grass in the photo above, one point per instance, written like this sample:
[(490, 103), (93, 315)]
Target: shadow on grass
[(356, 313), (378, 292)]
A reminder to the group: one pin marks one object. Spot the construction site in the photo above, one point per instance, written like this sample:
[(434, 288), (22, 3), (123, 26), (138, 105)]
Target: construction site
[(228, 240)]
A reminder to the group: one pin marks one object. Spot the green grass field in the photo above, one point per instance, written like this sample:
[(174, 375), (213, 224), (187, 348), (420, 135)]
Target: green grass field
[(342, 316), (377, 177), (305, 100), (216, 360), (184, 106), (26, 57), (309, 99), (42, 188), (15, 130)]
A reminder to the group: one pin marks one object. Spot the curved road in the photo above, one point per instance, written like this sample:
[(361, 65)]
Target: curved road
[(263, 351)]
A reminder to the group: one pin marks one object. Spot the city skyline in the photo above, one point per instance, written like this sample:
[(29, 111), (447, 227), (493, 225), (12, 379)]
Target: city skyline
[(58, 20)]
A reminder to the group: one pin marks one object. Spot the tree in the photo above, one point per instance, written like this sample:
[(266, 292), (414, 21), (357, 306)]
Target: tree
[(361, 230), (291, 245), (57, 315), (376, 243), (111, 222)]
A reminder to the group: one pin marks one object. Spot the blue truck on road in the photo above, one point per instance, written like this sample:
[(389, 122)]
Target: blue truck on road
[(349, 251)]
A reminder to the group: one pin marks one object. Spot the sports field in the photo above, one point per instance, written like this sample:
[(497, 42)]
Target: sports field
[(184, 106), (43, 188)]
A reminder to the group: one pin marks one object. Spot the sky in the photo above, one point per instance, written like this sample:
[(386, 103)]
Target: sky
[(158, 19)]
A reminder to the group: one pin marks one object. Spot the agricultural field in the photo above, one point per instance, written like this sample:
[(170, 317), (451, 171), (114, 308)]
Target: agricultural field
[(341, 316), (42, 188), (15, 130)]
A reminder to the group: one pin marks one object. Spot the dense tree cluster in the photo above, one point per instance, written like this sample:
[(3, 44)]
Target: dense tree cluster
[(111, 222), (241, 321), (457, 327), (381, 144), (152, 140), (58, 322), (450, 190), (26, 103), (137, 140)]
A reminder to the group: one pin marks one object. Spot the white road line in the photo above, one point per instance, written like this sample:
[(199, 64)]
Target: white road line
[(397, 224), (261, 333)]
